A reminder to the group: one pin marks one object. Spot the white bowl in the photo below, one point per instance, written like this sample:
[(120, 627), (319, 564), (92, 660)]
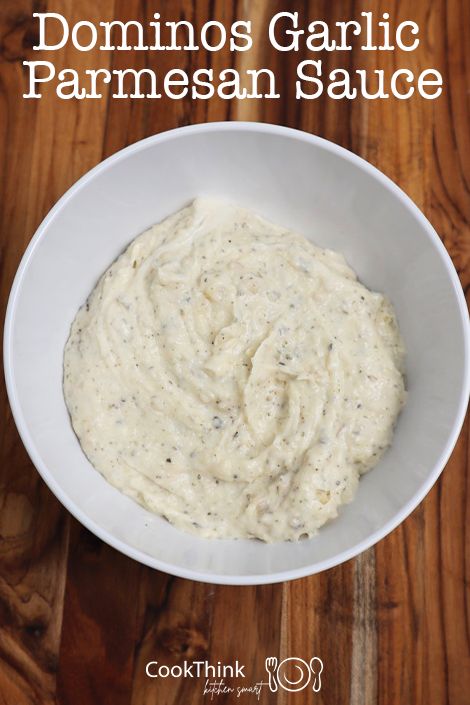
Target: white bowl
[(334, 198)]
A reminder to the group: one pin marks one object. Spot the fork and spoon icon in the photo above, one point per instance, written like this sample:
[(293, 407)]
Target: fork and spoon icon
[(280, 674)]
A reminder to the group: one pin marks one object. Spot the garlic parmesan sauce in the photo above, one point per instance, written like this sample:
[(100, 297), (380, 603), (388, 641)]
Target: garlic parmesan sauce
[(232, 377)]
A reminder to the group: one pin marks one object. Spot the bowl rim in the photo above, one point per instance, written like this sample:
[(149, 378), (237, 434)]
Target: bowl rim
[(141, 556)]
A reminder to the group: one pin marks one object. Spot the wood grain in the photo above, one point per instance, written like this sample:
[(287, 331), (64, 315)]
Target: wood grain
[(393, 625)]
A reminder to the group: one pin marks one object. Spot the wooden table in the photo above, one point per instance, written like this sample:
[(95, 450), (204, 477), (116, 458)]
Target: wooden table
[(79, 621)]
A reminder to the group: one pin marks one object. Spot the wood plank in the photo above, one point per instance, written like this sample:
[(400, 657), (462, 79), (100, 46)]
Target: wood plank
[(412, 643), (33, 525), (447, 625), (99, 621)]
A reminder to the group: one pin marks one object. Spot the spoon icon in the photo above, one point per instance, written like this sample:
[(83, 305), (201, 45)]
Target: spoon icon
[(316, 666)]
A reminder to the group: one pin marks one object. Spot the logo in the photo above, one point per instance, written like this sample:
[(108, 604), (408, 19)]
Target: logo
[(293, 673)]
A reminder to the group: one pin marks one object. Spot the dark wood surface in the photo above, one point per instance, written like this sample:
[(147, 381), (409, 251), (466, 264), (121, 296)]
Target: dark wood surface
[(79, 621)]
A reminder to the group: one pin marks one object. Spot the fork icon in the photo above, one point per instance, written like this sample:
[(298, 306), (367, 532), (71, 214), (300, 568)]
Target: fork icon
[(271, 666)]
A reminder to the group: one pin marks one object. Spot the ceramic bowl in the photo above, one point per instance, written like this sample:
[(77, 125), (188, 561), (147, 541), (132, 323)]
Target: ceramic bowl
[(300, 181)]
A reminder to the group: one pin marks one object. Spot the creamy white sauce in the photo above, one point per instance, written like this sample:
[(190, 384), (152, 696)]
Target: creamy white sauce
[(232, 377)]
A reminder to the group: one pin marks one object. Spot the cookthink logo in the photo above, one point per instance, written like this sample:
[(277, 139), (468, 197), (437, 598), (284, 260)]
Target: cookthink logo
[(292, 674)]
